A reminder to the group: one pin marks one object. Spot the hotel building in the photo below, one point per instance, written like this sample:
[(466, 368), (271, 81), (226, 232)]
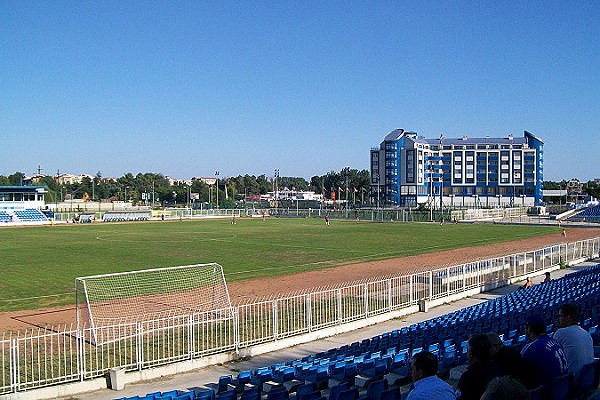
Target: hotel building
[(408, 170)]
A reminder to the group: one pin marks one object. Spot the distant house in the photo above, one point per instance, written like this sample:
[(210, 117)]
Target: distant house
[(574, 186)]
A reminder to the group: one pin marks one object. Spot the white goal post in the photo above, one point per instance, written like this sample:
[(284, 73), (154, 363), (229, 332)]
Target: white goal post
[(151, 294)]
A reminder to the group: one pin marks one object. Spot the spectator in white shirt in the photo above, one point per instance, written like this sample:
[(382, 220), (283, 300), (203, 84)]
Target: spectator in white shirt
[(576, 342)]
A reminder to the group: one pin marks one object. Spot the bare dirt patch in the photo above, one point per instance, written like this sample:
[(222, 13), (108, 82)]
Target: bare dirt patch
[(241, 291)]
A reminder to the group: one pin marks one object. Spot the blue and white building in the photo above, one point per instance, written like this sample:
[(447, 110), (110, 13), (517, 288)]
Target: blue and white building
[(408, 170)]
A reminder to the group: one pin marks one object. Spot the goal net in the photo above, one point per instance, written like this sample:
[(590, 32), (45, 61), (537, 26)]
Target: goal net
[(128, 297)]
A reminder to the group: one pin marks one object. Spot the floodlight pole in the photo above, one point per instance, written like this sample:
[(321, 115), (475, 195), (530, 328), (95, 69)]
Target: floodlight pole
[(276, 190), (56, 193), (217, 187)]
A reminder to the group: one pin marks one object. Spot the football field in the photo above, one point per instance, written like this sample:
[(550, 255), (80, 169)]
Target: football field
[(39, 264)]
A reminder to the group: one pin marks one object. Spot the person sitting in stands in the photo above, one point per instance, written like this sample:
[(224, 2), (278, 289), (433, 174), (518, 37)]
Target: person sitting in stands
[(509, 360), (481, 370), (505, 388), (544, 357), (547, 278), (576, 342), (427, 385), (527, 284)]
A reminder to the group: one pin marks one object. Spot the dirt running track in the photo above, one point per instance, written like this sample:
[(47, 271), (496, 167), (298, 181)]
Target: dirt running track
[(246, 290)]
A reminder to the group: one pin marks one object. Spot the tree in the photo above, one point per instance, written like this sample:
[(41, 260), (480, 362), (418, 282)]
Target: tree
[(317, 184), (549, 185), (264, 185), (53, 188), (592, 188), (16, 179)]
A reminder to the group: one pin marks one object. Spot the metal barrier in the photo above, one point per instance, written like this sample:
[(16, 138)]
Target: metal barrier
[(38, 358)]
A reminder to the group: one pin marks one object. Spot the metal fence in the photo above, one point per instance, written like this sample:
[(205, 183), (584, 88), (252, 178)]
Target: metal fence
[(39, 358)]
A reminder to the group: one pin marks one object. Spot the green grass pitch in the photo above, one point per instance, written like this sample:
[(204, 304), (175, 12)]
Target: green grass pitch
[(39, 264)]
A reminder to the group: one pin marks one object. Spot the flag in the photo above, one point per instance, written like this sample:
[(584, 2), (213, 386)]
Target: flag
[(333, 195), (355, 190), (340, 189)]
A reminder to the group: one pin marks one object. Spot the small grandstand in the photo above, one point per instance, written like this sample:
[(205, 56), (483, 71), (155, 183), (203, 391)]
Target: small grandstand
[(586, 214), (126, 216), (21, 205)]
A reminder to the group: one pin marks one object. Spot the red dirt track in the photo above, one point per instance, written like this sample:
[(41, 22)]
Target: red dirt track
[(241, 291)]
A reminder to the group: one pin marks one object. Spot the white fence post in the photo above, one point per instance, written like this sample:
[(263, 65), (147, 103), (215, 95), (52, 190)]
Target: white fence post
[(448, 281), (275, 319), (14, 365), (389, 294), (190, 335), (309, 322), (236, 329), (430, 286), (81, 359), (339, 306), (139, 346), (366, 300)]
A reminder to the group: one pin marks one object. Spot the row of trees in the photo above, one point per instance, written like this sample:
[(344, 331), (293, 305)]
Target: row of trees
[(142, 187), (146, 187)]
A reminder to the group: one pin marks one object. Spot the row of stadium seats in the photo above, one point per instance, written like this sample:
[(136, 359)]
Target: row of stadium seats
[(377, 368), (589, 214), (170, 395), (124, 216), (4, 217), (27, 215)]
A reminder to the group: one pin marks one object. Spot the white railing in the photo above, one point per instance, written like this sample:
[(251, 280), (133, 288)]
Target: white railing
[(39, 358)]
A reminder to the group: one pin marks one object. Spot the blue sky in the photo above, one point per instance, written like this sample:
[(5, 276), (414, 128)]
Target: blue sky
[(186, 88)]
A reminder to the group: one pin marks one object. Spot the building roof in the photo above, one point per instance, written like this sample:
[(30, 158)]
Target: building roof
[(394, 135), (554, 192), (23, 189), (468, 140)]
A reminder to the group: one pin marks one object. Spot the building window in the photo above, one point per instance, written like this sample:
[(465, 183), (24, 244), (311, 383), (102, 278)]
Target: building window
[(410, 166)]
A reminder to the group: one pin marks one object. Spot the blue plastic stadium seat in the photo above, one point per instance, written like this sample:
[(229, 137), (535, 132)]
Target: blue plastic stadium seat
[(316, 395), (187, 396), (390, 394), (281, 394), (227, 395), (375, 388), (586, 379), (560, 389), (350, 394), (335, 390), (243, 378), (205, 395), (304, 389)]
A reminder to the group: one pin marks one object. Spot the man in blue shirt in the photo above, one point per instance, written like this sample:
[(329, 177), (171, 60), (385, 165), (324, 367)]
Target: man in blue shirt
[(543, 355), (427, 385)]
